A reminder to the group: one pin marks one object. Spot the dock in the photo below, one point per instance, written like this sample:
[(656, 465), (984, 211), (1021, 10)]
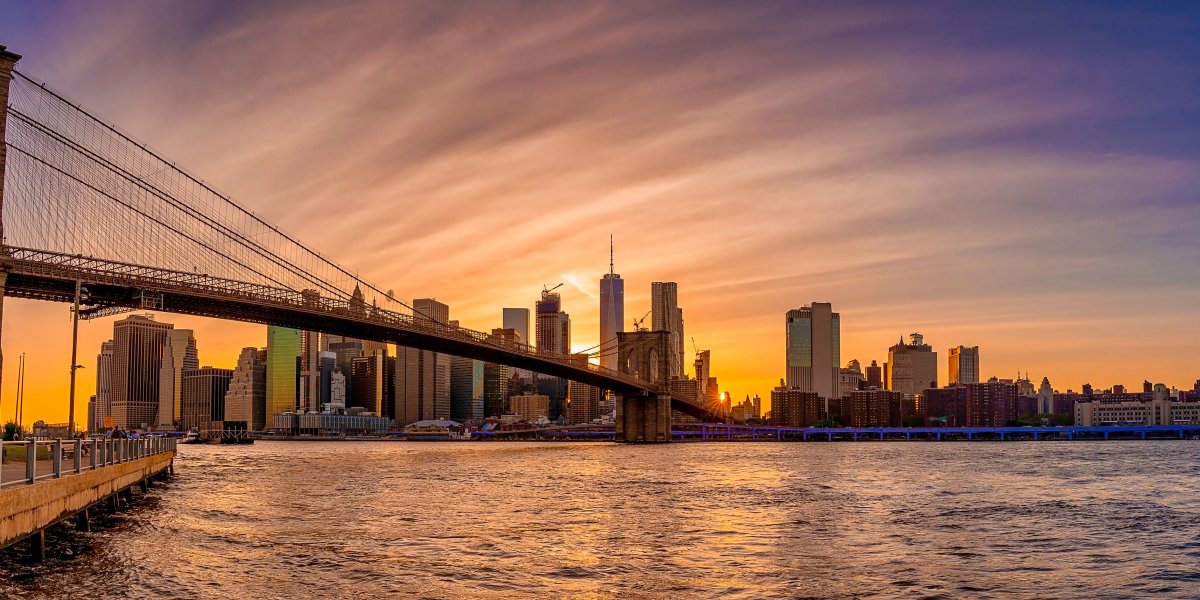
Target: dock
[(45, 482)]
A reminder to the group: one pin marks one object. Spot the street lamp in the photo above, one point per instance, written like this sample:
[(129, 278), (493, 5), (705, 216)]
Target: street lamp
[(80, 291)]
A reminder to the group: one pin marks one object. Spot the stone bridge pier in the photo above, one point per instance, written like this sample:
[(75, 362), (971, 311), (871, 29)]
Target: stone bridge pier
[(644, 416)]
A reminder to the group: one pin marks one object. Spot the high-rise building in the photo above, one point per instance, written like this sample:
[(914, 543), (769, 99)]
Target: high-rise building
[(530, 407), (665, 315), (104, 384), (553, 329), (791, 407), (138, 345), (283, 354), (466, 389), (991, 404), (372, 381), (202, 399), (874, 376), (517, 319), (309, 384), (964, 365), (583, 400), (1045, 397), (423, 376), (612, 313), (93, 425), (814, 349), (246, 400), (180, 355), (496, 377), (912, 367), (874, 408)]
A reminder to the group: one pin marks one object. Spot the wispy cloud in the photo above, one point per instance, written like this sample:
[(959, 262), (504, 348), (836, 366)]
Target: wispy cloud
[(990, 176)]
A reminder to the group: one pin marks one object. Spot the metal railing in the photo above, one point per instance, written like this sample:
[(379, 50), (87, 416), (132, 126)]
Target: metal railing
[(30, 461)]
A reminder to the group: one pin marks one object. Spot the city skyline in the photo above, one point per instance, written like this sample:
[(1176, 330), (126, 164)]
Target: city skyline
[(1037, 295)]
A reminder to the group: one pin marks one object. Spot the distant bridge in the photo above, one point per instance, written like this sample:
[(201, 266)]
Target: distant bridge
[(82, 204)]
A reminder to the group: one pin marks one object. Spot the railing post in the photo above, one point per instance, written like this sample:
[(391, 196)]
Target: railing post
[(78, 456), (31, 461), (56, 458), (92, 452)]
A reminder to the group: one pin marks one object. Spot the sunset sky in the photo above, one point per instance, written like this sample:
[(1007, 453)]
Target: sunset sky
[(1019, 176)]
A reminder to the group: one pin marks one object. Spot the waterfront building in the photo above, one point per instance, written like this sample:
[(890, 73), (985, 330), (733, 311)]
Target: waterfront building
[(612, 313), (747, 410), (530, 407), (104, 385), (246, 399), (283, 354), (202, 399), (964, 365), (1135, 409), (138, 345), (850, 378), (792, 407), (179, 355), (338, 387), (372, 380), (422, 376), (991, 404), (943, 407), (553, 329), (466, 389), (665, 315), (330, 424), (873, 408), (309, 384), (813, 350), (911, 367), (583, 400)]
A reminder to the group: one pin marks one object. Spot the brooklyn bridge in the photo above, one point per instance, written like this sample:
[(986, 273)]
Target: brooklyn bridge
[(85, 205)]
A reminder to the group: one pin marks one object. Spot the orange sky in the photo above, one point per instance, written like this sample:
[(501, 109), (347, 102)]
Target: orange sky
[(760, 158)]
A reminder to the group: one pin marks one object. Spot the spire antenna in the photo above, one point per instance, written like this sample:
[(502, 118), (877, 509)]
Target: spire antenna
[(610, 255)]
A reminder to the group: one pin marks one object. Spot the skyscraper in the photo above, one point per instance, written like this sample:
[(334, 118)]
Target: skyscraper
[(310, 372), (703, 366), (104, 383), (466, 389), (283, 352), (372, 379), (612, 312), (583, 400), (553, 335), (665, 315), (912, 367), (814, 349), (422, 376), (180, 355), (246, 399), (517, 319), (964, 365), (874, 375), (138, 345), (202, 398), (496, 377)]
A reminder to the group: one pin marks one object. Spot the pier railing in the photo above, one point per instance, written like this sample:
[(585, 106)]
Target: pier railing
[(30, 461)]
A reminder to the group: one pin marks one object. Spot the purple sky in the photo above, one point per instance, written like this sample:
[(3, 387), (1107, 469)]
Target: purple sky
[(1019, 176)]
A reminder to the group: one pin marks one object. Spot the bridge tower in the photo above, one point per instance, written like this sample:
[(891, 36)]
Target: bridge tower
[(8, 60), (646, 416)]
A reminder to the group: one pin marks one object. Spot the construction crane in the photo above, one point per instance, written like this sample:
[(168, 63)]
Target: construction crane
[(546, 289), (637, 323)]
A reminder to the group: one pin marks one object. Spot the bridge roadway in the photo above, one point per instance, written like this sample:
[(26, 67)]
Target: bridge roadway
[(42, 275)]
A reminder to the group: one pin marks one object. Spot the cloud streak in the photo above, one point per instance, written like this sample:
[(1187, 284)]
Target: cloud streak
[(994, 177)]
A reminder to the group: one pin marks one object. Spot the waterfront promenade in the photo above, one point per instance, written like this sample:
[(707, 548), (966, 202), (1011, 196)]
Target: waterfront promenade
[(45, 482)]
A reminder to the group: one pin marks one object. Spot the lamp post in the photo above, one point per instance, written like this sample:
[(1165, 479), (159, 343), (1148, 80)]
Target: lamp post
[(79, 291)]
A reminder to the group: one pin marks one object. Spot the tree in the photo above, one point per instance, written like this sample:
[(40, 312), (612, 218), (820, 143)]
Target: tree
[(13, 431)]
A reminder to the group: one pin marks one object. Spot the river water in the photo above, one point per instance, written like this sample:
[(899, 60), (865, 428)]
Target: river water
[(597, 520)]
